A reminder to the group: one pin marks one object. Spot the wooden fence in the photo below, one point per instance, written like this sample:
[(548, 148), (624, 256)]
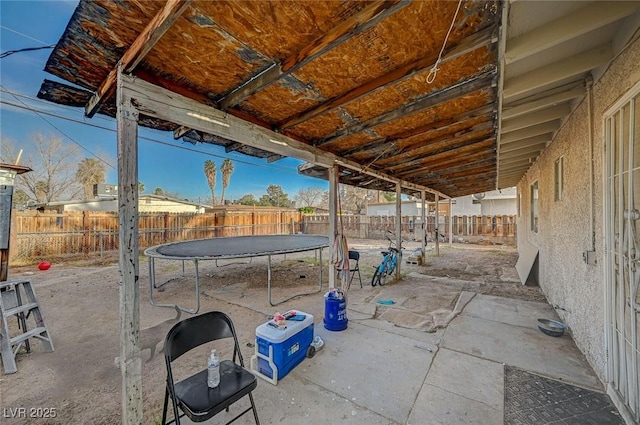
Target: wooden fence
[(375, 227), (36, 235)]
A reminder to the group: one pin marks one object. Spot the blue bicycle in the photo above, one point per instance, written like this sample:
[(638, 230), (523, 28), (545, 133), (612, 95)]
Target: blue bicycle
[(389, 261)]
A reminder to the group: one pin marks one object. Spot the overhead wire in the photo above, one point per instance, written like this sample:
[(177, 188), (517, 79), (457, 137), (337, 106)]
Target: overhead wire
[(26, 49), (58, 129), (186, 148), (22, 34)]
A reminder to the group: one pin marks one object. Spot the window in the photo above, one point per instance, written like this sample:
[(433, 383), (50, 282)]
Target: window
[(558, 179), (534, 207)]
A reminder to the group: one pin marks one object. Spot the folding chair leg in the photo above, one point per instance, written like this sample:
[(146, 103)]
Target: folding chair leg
[(360, 278), (255, 412), (165, 406)]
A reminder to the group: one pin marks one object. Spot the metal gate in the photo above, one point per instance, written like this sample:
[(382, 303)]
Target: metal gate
[(622, 232)]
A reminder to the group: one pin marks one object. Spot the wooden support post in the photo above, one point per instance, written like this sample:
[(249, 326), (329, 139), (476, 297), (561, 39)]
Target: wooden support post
[(130, 360), (437, 229), (450, 223), (398, 226), (333, 216), (423, 234)]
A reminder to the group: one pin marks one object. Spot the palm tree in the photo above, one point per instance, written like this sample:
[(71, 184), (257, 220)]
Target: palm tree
[(226, 169), (210, 172)]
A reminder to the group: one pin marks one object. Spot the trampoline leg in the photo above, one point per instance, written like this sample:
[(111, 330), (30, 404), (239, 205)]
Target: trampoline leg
[(269, 280), (152, 280), (293, 296)]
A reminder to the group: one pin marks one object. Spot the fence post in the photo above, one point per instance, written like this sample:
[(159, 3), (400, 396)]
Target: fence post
[(85, 232), (165, 225)]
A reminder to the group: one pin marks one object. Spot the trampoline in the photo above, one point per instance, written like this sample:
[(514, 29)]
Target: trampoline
[(231, 248)]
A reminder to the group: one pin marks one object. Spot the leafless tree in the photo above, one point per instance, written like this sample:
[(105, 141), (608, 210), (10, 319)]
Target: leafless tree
[(54, 164), (310, 197), (355, 199)]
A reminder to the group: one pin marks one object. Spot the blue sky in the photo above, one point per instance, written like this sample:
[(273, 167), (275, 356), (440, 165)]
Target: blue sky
[(175, 169)]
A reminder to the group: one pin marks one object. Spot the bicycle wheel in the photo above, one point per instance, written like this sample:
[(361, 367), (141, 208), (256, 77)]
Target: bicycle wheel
[(375, 280), (389, 268)]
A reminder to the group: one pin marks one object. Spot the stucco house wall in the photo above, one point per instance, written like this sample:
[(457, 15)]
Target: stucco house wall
[(147, 203), (568, 227)]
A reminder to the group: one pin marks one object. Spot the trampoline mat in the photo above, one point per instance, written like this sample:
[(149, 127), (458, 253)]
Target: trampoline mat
[(241, 246), (533, 400)]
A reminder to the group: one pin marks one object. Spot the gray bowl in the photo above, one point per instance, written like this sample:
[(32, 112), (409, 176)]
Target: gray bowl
[(551, 327)]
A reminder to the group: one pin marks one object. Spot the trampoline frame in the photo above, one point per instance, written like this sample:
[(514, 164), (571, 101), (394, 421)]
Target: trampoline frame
[(152, 253)]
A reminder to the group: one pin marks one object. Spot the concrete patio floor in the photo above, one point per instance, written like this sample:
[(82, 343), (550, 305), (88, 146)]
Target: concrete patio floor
[(377, 373)]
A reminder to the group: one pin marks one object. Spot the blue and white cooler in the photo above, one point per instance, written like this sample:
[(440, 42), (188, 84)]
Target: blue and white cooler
[(281, 348)]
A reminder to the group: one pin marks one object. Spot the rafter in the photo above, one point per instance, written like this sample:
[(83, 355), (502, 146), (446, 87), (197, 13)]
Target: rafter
[(423, 130), (152, 33), (534, 118), (443, 144), (458, 171), (574, 24), (157, 102), (233, 147), (478, 82), (471, 43), (573, 66), (525, 133), (367, 17), (515, 111), (441, 159)]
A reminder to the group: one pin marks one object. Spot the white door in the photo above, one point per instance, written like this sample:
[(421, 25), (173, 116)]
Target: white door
[(622, 231)]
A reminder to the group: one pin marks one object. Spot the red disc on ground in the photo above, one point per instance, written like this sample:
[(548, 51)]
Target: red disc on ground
[(44, 265)]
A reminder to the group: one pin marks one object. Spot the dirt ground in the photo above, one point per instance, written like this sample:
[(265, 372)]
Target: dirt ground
[(80, 382)]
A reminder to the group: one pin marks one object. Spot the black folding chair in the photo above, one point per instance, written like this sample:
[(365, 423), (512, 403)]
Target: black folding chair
[(191, 395), (354, 267)]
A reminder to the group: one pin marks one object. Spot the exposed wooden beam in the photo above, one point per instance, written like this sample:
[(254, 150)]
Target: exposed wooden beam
[(516, 173), (445, 159), (145, 41), (511, 179), (507, 165), (574, 24), (160, 103), (459, 171), (373, 13), (536, 130), (431, 100), (471, 43), (534, 118), (180, 132), (423, 130), (443, 144), (574, 66), (274, 158), (233, 147), (514, 148), (519, 154), (509, 112)]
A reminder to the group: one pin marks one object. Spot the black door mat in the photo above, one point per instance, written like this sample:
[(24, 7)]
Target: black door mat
[(533, 400)]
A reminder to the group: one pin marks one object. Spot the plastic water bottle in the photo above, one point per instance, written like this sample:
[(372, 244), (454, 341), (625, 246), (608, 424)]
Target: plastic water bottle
[(213, 367)]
